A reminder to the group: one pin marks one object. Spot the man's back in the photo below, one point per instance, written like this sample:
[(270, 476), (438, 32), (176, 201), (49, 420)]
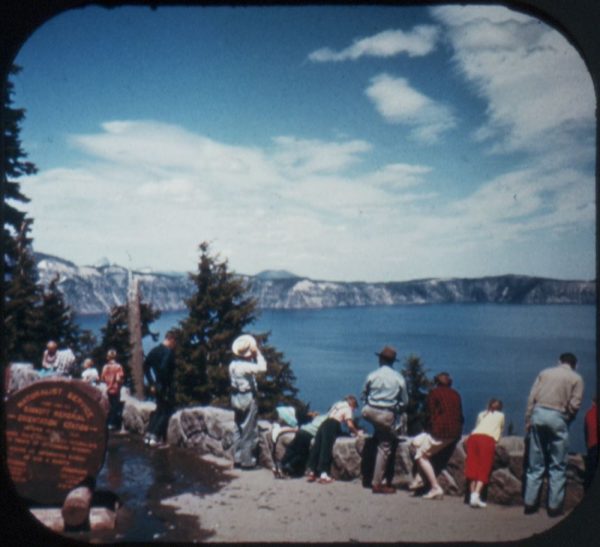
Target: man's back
[(558, 387)]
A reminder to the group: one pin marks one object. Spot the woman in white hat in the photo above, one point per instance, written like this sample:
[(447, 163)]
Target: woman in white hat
[(248, 362)]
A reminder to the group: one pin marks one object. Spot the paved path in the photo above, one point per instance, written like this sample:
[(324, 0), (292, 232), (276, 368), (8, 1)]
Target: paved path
[(255, 507)]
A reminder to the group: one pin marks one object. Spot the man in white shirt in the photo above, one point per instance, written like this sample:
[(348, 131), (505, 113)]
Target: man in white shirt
[(248, 362)]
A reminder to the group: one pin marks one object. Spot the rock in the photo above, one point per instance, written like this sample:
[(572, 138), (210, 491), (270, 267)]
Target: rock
[(76, 508), (456, 469), (403, 465), (512, 444), (504, 488), (449, 484), (209, 430), (574, 493), (576, 467), (346, 459), (136, 414), (20, 375)]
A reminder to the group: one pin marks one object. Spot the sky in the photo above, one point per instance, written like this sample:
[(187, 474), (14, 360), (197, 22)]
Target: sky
[(339, 143)]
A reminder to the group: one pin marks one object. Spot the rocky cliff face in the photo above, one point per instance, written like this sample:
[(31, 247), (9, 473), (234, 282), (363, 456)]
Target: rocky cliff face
[(97, 289)]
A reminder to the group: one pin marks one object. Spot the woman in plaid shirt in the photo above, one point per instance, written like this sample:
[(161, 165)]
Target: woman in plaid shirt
[(444, 408)]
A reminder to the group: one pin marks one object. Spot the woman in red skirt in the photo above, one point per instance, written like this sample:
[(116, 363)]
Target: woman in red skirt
[(481, 448)]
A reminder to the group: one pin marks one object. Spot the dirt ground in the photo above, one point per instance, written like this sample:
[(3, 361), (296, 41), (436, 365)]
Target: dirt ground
[(255, 507)]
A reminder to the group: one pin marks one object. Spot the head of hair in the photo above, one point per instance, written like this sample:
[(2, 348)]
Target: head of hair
[(568, 359), (111, 355), (351, 400), (88, 363), (51, 346), (443, 379), (495, 404)]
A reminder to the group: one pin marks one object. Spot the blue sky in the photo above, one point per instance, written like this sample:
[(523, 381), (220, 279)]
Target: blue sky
[(340, 143)]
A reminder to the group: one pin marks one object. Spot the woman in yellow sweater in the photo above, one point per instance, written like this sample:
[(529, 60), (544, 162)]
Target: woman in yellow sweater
[(481, 448)]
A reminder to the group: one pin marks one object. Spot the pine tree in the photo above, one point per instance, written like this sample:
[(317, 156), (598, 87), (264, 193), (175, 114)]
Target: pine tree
[(418, 385), (115, 335), (58, 321), (12, 219), (219, 311), (24, 320)]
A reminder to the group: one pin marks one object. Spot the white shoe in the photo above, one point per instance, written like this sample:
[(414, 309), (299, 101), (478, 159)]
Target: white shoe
[(475, 501), (416, 483), (434, 494)]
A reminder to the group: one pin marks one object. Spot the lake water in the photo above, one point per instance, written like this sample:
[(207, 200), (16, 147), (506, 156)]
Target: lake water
[(489, 350)]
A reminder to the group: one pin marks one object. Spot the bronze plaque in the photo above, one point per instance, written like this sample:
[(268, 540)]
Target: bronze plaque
[(55, 437)]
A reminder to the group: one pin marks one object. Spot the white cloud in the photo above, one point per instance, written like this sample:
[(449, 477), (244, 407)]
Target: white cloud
[(418, 42), (536, 85), (308, 211), (398, 102)]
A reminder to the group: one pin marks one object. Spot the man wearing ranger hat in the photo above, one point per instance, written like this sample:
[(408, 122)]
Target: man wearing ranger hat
[(386, 396), (248, 361)]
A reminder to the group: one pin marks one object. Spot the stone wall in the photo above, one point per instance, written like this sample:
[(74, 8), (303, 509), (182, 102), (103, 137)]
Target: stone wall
[(210, 431)]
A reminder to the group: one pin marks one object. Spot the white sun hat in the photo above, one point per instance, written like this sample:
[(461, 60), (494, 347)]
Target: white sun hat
[(244, 345)]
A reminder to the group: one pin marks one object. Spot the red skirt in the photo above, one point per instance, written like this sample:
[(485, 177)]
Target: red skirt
[(480, 457)]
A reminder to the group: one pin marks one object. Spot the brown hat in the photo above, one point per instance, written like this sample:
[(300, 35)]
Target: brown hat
[(388, 354)]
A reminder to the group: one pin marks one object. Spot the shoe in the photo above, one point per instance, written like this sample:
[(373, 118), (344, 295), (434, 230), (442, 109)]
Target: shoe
[(152, 442), (530, 509), (383, 489), (325, 479), (555, 512), (416, 484), (311, 477), (475, 501), (434, 494)]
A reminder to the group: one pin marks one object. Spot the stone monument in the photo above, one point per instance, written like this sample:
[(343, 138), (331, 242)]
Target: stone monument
[(56, 438)]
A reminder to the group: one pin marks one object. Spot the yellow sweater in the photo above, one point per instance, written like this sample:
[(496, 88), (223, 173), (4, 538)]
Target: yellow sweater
[(490, 423)]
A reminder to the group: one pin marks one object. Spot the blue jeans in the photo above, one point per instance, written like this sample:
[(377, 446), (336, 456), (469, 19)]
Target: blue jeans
[(548, 445)]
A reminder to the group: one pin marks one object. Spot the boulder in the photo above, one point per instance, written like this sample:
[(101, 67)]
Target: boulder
[(504, 488), (455, 468), (20, 375), (346, 459), (209, 430), (136, 413)]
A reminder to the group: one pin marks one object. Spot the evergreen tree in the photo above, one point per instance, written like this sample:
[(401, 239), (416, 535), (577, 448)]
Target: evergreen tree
[(24, 322), (115, 335), (418, 385), (58, 322), (12, 219), (219, 311)]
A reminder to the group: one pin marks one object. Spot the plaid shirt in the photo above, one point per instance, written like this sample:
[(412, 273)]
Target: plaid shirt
[(445, 413)]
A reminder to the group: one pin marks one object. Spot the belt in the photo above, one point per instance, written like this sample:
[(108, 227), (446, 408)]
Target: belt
[(238, 391), (377, 407)]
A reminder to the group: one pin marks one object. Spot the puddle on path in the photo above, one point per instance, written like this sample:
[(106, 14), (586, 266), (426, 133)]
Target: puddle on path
[(141, 477)]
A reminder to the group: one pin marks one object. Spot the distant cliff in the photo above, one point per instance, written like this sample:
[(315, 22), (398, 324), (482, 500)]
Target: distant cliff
[(95, 289)]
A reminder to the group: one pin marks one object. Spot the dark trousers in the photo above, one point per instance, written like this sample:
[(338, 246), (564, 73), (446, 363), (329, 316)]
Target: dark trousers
[(114, 411), (159, 420), (321, 456), (296, 454)]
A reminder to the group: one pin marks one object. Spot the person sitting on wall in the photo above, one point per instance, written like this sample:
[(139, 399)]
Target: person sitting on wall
[(444, 408)]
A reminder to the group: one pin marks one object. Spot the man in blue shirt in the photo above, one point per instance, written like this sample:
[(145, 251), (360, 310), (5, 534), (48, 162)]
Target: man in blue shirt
[(386, 397)]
